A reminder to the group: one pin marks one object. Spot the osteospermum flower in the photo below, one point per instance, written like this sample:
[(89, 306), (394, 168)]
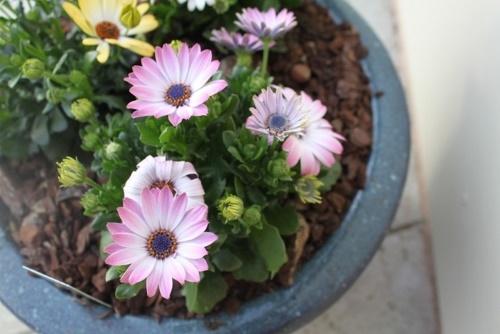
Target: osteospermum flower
[(160, 173), (236, 41), (161, 240), (275, 115), (197, 4), (176, 84), (268, 24), (100, 19), (317, 144)]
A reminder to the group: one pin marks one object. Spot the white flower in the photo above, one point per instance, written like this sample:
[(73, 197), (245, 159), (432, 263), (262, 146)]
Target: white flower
[(158, 173), (197, 4)]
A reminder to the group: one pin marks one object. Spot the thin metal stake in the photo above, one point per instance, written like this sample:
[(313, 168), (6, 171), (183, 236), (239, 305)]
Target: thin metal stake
[(67, 287)]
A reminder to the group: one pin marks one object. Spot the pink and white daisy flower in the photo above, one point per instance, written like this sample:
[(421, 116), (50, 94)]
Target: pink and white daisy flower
[(176, 84), (236, 41), (317, 144), (159, 173), (160, 240), (275, 115), (268, 24)]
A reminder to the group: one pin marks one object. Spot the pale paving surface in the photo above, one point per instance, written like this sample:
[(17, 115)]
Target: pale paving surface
[(395, 294)]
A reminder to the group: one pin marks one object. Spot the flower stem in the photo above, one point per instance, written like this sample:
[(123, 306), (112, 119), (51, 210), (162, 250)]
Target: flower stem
[(265, 56), (91, 182)]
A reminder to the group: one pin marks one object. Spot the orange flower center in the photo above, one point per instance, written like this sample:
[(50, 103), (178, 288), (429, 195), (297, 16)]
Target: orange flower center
[(106, 29)]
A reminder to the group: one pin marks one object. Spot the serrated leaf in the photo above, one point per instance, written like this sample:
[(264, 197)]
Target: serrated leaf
[(115, 273), (224, 260), (125, 291), (203, 296), (284, 218), (149, 133), (270, 246)]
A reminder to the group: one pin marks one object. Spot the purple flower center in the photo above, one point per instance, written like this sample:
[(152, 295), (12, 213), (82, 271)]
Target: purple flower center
[(177, 94), (277, 122), (161, 244)]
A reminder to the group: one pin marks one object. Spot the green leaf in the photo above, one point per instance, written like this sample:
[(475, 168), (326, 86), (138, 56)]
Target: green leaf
[(231, 105), (115, 273), (330, 177), (253, 268), (149, 132), (228, 138), (235, 153), (125, 291), (270, 246), (203, 296), (40, 130), (224, 260), (284, 218), (100, 221), (104, 242), (58, 122), (239, 188)]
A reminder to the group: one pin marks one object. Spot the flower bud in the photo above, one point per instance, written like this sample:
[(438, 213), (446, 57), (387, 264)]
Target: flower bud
[(257, 83), (278, 168), (231, 207), (253, 216), (83, 110), (308, 189), (90, 141), (176, 45), (90, 203), (130, 16), (71, 172), (16, 60), (222, 6), (244, 59), (33, 69), (112, 150)]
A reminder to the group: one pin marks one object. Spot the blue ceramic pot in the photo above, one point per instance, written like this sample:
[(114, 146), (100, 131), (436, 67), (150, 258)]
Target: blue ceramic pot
[(319, 283)]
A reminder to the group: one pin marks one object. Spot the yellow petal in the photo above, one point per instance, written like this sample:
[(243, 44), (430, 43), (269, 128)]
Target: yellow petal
[(143, 8), (91, 9), (77, 16), (147, 24), (137, 46), (103, 52), (91, 41), (110, 9)]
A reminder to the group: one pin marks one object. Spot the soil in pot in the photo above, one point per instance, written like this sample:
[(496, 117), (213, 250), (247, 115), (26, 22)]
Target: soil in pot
[(323, 59)]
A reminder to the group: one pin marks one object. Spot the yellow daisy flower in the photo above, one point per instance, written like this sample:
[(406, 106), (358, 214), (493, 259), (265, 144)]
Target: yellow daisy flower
[(100, 19)]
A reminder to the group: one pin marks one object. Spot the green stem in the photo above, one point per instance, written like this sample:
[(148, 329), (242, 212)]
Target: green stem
[(91, 182), (265, 56)]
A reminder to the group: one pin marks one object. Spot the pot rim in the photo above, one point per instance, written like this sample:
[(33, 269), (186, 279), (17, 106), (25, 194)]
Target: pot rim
[(319, 283)]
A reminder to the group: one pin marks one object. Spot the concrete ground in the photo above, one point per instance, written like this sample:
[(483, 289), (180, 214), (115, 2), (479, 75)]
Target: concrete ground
[(395, 294)]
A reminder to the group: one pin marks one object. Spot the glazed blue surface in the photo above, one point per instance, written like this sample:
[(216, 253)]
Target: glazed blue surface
[(318, 284)]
